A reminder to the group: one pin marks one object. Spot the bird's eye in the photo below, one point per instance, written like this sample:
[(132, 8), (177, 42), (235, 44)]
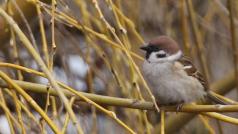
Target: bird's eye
[(161, 55)]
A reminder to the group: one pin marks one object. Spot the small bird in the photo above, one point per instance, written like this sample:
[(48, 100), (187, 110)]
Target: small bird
[(171, 76)]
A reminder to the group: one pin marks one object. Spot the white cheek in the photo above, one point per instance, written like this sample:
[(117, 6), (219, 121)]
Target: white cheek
[(154, 59), (175, 56)]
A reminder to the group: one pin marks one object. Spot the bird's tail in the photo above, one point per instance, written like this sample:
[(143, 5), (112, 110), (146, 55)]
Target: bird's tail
[(216, 99)]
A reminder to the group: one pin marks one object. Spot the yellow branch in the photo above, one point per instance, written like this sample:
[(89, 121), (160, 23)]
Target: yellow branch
[(27, 44), (31, 101), (123, 102)]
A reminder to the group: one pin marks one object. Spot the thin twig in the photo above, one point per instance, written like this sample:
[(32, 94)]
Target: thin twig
[(231, 8), (162, 116), (40, 62), (30, 100), (198, 41)]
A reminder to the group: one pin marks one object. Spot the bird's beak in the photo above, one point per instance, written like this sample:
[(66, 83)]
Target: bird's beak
[(145, 48)]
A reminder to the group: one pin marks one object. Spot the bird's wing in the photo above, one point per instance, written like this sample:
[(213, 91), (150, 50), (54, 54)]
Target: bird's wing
[(191, 70)]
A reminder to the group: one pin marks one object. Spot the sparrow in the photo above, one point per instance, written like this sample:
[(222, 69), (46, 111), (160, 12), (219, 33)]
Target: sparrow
[(172, 77)]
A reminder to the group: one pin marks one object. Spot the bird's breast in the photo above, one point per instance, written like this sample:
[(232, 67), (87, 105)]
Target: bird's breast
[(170, 84)]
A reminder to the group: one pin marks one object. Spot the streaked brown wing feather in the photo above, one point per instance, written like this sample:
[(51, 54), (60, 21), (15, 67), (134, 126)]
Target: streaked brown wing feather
[(192, 71)]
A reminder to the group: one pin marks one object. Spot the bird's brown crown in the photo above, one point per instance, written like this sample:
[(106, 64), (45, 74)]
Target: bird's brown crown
[(165, 43)]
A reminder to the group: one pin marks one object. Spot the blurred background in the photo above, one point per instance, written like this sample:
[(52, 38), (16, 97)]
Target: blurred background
[(87, 49)]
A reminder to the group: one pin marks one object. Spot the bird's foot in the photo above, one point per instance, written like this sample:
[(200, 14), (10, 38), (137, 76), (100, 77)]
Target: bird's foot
[(179, 107)]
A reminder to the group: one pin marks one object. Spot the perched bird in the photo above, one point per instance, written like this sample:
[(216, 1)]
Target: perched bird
[(171, 76)]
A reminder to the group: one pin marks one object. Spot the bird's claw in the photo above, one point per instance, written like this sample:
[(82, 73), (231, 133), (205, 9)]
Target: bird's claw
[(179, 107)]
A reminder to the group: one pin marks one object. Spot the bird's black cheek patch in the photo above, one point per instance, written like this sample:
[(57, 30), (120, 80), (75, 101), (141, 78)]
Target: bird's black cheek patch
[(160, 55), (151, 49), (147, 56)]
